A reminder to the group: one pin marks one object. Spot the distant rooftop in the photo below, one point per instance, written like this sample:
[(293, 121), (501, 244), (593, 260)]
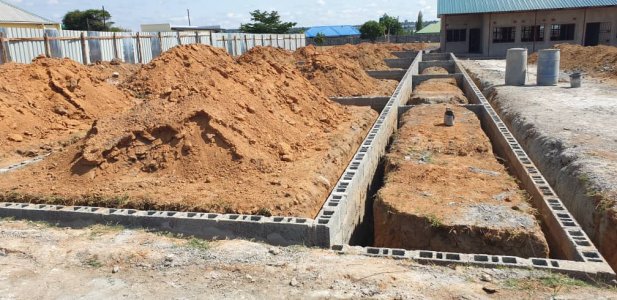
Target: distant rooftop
[(431, 29), (332, 31), (451, 7), (10, 13)]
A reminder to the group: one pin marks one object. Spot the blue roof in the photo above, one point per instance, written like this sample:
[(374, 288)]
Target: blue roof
[(331, 31), (450, 7)]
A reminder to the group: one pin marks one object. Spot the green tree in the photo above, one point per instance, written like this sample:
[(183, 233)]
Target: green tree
[(419, 22), (91, 19), (391, 25), (266, 22), (320, 39), (372, 30)]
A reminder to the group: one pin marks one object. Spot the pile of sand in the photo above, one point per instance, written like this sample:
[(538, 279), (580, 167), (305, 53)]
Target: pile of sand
[(369, 56), (598, 61), (51, 101), (438, 90), (435, 71), (338, 75), (214, 134), (445, 191)]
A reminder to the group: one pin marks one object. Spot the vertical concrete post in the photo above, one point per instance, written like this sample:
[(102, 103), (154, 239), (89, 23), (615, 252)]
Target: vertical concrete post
[(139, 56), (115, 45), (84, 49), (197, 38), (46, 44), (178, 38), (3, 58)]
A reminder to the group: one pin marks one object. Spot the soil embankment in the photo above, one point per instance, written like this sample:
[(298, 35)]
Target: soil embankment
[(565, 133), (438, 90), (50, 103), (597, 61), (213, 134), (445, 191)]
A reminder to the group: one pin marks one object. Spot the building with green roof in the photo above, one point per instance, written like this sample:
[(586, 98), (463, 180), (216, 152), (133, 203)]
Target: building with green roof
[(433, 28), (491, 27)]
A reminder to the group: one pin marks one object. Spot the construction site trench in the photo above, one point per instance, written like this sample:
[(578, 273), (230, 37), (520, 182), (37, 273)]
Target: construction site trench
[(314, 147)]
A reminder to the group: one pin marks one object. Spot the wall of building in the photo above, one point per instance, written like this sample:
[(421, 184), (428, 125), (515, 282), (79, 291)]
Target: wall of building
[(30, 25), (487, 22)]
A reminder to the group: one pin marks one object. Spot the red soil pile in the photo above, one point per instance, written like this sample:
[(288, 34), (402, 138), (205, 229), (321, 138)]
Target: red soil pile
[(338, 75), (370, 56), (51, 101), (597, 61), (445, 191), (334, 74), (213, 135)]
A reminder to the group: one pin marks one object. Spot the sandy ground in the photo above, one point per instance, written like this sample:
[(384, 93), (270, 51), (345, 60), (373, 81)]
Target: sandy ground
[(39, 261), (570, 134), (445, 191)]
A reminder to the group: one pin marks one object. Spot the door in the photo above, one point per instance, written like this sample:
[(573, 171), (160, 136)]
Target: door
[(475, 40), (592, 34)]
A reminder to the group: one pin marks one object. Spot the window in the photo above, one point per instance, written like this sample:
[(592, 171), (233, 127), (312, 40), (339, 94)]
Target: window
[(562, 32), (503, 35), (456, 35), (532, 33)]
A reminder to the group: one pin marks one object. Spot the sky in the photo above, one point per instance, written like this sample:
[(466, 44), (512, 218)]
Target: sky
[(231, 13)]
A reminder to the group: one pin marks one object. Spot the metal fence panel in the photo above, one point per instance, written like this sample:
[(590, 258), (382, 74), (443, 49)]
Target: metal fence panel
[(25, 44), (25, 51)]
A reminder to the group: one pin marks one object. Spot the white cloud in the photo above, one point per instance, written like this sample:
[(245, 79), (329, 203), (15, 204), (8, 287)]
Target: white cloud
[(321, 2)]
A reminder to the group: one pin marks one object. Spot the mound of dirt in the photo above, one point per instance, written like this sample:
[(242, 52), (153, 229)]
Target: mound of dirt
[(597, 61), (214, 135), (338, 75), (51, 101), (445, 191), (438, 90), (369, 56), (435, 71)]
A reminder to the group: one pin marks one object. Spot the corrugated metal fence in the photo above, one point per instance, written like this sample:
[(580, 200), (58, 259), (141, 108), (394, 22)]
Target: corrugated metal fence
[(23, 45)]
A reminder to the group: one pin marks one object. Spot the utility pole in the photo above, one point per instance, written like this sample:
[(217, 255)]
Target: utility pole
[(188, 14), (104, 21)]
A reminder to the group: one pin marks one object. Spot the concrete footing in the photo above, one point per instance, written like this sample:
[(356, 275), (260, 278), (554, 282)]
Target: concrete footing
[(387, 74), (378, 103)]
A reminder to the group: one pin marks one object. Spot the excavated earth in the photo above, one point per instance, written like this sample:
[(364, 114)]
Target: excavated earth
[(597, 61), (50, 103), (438, 90), (445, 191), (336, 75), (213, 134)]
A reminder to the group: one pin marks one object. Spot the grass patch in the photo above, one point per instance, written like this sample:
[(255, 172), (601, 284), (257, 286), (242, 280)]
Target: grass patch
[(434, 221), (198, 244), (94, 262), (98, 230)]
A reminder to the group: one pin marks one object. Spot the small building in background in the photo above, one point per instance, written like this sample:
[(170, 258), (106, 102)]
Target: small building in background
[(491, 27), (12, 16), (433, 28), (333, 31), (166, 27)]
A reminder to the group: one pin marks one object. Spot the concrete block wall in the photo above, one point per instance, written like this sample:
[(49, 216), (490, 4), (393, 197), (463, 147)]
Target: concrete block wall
[(345, 207), (564, 234)]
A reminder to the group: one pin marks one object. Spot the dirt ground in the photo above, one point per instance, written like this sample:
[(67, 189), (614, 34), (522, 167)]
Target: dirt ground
[(438, 90), (445, 191), (435, 71), (50, 103), (212, 134), (598, 61), (39, 261), (569, 136)]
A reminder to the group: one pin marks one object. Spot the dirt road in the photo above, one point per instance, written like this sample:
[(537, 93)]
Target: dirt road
[(39, 261)]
